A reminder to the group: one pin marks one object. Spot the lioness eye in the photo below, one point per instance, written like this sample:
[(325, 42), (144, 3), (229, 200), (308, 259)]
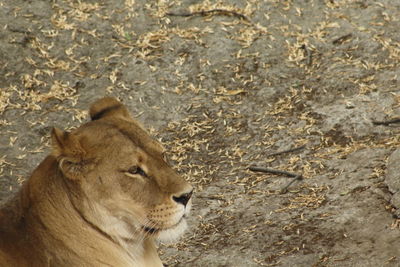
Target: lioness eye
[(136, 170)]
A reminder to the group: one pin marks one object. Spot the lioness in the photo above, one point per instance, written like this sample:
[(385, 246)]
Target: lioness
[(100, 199)]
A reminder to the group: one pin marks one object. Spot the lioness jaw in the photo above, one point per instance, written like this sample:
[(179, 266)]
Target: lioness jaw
[(102, 197)]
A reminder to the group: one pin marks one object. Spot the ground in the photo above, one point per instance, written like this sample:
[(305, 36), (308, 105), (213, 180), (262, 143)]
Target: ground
[(224, 85)]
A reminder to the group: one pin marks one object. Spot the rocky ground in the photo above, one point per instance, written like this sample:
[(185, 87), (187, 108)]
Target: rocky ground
[(226, 85)]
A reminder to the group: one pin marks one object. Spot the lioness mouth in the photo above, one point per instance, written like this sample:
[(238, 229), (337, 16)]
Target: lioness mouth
[(150, 230), (155, 230)]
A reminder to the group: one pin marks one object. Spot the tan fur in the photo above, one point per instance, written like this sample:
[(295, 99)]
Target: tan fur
[(100, 199)]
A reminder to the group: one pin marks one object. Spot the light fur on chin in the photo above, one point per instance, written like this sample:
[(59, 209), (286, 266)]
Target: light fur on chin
[(171, 235)]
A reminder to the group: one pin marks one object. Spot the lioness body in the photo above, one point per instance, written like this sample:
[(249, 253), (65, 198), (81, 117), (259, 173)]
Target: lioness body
[(100, 199)]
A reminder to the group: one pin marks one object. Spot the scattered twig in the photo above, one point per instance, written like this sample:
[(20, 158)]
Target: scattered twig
[(388, 122), (27, 35), (209, 12), (286, 151), (308, 54), (19, 30), (211, 198), (297, 177), (273, 171), (341, 39)]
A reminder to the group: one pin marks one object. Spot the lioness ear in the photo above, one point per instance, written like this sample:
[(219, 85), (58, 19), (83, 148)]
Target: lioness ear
[(106, 107), (69, 153)]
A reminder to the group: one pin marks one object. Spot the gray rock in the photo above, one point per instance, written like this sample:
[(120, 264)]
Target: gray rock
[(393, 177), (393, 172)]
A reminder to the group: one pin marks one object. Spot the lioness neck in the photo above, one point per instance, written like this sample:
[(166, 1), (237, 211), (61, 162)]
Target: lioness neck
[(47, 230)]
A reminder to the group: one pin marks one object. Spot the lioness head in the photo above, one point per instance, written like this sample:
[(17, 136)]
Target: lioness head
[(118, 177)]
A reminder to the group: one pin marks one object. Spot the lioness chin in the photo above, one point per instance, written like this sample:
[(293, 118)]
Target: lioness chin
[(102, 198)]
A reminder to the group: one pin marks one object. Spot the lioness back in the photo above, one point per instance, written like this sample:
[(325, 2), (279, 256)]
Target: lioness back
[(101, 198)]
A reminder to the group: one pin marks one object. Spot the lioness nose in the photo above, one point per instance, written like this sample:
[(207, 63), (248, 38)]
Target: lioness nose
[(183, 199)]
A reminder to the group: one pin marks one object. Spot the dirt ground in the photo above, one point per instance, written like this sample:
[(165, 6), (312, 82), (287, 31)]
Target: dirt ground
[(225, 85)]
